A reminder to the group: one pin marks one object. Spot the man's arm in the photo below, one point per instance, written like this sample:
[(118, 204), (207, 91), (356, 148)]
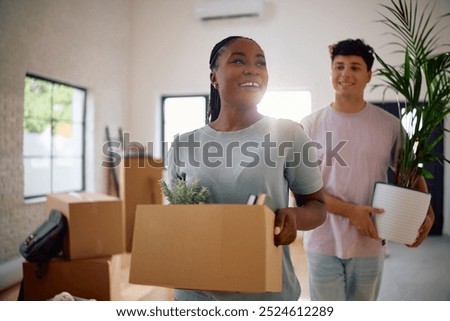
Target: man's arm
[(359, 215)]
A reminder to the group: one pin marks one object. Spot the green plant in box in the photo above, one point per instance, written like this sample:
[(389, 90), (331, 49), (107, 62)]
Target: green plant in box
[(184, 193)]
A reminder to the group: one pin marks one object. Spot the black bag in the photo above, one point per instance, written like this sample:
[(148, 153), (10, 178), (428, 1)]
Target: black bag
[(44, 244), (47, 241)]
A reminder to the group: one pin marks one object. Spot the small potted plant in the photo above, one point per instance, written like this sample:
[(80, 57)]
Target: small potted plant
[(184, 193), (422, 85)]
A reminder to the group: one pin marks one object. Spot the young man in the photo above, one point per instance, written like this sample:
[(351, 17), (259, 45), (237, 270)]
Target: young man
[(345, 254)]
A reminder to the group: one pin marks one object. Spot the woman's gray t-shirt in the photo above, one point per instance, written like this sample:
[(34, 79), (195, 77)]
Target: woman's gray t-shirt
[(272, 156)]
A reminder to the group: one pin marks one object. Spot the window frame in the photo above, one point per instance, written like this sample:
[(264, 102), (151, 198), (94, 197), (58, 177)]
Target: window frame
[(163, 120), (52, 155)]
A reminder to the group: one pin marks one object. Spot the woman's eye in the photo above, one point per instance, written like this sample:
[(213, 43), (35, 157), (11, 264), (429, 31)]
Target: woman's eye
[(238, 61), (261, 63)]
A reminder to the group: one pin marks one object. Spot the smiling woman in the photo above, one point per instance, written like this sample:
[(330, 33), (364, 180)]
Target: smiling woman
[(239, 80)]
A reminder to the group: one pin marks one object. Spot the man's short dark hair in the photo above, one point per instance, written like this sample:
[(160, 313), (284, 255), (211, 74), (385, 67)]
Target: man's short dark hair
[(353, 47)]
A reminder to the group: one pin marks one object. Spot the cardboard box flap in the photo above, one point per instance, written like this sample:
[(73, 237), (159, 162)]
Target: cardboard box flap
[(83, 197), (206, 247)]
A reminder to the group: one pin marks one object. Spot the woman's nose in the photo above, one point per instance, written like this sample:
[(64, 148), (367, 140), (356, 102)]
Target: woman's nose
[(251, 69)]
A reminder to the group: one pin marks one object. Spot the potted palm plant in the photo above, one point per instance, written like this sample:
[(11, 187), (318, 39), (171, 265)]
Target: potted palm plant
[(422, 85)]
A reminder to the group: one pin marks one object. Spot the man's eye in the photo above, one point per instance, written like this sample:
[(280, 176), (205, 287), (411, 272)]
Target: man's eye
[(238, 61)]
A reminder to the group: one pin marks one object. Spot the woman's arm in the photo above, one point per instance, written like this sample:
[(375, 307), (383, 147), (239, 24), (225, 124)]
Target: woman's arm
[(310, 213)]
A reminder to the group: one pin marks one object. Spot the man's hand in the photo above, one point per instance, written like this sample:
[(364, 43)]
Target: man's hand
[(421, 185), (425, 228), (360, 217)]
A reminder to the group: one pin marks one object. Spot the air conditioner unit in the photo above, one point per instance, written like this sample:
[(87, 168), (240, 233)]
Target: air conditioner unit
[(226, 9)]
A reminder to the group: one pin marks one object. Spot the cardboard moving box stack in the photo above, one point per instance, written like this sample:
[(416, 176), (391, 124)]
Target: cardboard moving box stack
[(94, 245)]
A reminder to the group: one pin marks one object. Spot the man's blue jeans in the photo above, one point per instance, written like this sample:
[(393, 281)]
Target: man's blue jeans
[(335, 279)]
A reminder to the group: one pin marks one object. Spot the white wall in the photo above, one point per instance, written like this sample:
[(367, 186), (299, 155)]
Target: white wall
[(82, 42)]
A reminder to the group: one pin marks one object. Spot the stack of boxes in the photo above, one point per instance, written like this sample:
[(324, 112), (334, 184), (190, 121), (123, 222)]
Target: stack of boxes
[(113, 244), (95, 263)]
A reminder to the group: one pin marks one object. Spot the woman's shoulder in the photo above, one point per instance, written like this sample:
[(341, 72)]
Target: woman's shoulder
[(286, 128), (281, 122), (185, 136)]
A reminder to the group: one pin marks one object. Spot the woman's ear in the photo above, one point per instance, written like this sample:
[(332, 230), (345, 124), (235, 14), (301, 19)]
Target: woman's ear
[(213, 79)]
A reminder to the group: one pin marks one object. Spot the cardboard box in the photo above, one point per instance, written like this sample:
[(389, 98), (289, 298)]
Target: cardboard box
[(139, 184), (206, 247), (96, 224), (102, 279), (97, 279)]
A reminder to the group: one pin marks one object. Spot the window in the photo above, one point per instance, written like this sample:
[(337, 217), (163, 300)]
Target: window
[(181, 114), (53, 137)]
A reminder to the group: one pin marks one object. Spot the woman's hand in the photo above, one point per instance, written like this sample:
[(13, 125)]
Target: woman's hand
[(285, 226), (309, 213)]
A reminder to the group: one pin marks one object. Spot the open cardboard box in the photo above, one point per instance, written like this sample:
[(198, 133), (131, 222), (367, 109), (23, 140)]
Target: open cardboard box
[(217, 247), (96, 224)]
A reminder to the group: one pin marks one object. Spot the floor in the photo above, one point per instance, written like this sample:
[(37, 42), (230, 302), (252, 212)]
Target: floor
[(420, 274)]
